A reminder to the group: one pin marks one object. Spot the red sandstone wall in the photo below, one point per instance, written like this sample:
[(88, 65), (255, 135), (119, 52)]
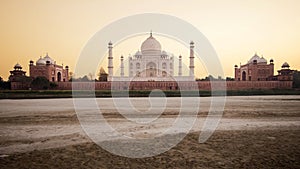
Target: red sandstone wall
[(202, 85), (19, 86)]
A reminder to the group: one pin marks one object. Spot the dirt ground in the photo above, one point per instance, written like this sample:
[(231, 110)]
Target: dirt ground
[(225, 149), (258, 132)]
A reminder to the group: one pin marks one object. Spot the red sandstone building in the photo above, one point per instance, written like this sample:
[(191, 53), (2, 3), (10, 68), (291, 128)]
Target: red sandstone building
[(18, 78), (285, 74), (48, 68), (256, 69)]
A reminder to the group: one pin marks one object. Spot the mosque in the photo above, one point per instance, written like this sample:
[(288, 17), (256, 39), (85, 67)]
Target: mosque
[(151, 63), (258, 69), (47, 67)]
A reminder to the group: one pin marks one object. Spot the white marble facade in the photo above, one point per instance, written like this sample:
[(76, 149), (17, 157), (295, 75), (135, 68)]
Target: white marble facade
[(150, 64)]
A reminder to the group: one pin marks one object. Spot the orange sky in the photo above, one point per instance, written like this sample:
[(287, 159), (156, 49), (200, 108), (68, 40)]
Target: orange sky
[(236, 29)]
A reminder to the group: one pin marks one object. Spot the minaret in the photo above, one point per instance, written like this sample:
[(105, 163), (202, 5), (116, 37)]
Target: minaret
[(122, 67), (180, 66), (192, 59), (110, 61)]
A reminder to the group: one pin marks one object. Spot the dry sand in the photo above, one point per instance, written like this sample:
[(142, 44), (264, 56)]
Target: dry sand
[(255, 132)]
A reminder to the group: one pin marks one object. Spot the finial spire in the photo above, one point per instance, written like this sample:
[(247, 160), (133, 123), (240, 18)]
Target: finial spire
[(150, 33)]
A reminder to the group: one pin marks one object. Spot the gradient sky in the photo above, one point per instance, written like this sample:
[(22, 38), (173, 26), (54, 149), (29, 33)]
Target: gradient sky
[(237, 29)]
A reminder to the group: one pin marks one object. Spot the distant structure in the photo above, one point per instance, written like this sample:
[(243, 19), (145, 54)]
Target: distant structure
[(18, 78), (16, 73), (151, 63), (285, 74), (152, 68), (256, 69), (48, 68)]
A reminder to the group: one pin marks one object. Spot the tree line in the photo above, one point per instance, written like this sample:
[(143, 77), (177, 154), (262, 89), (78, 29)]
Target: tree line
[(42, 83)]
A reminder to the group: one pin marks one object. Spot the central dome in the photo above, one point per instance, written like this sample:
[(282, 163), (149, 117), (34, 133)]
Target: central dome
[(258, 59), (151, 44)]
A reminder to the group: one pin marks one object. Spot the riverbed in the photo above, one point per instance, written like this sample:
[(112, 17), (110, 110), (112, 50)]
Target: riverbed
[(38, 128)]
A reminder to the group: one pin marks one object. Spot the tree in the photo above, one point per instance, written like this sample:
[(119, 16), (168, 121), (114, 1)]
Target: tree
[(53, 85), (71, 76), (91, 76), (102, 75), (4, 85), (85, 78), (229, 79), (40, 83), (296, 79)]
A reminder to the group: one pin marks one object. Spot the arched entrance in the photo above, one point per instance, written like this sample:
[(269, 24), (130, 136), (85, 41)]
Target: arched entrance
[(58, 76), (151, 70), (244, 76), (164, 74)]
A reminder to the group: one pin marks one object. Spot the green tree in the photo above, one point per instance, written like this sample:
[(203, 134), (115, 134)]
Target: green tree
[(40, 83), (4, 85), (53, 85), (229, 79), (85, 79), (296, 79), (102, 75)]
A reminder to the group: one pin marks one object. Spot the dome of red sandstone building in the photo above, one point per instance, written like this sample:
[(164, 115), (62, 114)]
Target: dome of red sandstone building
[(285, 65), (258, 59), (41, 61), (47, 58), (17, 66)]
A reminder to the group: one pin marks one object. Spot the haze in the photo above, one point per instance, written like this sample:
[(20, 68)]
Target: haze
[(236, 29)]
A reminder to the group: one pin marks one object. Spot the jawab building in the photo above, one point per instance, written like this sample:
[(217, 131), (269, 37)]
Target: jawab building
[(256, 69)]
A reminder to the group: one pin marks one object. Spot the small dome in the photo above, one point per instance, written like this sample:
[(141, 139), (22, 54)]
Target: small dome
[(164, 53), (262, 60), (258, 59), (41, 61), (138, 53), (17, 66), (151, 44), (47, 58), (285, 65)]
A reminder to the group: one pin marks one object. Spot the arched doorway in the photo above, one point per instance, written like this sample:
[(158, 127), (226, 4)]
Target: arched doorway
[(164, 74), (151, 70), (58, 76), (244, 76)]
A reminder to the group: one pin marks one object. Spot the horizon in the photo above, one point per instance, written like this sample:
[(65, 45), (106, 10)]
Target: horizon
[(237, 30)]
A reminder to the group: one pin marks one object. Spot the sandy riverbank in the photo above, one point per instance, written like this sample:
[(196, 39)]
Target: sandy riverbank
[(255, 132)]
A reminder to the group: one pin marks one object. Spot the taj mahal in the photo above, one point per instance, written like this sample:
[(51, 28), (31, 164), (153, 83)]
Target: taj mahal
[(150, 63), (153, 68)]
